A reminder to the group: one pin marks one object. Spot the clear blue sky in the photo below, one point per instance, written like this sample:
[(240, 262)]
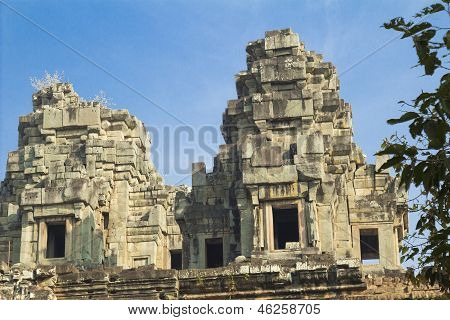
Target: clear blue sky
[(184, 54)]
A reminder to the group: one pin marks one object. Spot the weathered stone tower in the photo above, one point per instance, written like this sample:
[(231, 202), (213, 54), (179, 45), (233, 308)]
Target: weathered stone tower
[(288, 185), (290, 182), (81, 188)]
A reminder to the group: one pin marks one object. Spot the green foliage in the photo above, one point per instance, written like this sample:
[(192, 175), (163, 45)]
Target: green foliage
[(423, 158)]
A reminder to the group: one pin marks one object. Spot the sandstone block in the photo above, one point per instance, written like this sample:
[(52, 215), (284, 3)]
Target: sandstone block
[(310, 144), (261, 175), (263, 110), (31, 197), (281, 40), (53, 118), (310, 167), (270, 156)]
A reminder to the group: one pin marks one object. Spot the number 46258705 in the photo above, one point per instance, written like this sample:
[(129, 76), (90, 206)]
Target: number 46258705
[(289, 308)]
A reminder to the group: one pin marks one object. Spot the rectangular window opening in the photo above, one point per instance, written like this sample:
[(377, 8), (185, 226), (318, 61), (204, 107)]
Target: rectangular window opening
[(214, 253), (92, 243), (370, 253), (285, 227), (105, 220), (176, 259), (56, 241)]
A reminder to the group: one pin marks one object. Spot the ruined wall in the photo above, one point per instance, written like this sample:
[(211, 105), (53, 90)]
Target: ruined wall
[(289, 148), (85, 170), (248, 280)]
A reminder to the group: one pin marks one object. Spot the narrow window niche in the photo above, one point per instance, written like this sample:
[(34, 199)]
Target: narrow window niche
[(369, 244), (56, 241), (176, 259), (285, 227), (214, 253)]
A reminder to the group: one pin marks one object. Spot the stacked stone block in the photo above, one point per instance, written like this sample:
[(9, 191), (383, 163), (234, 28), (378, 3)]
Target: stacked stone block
[(87, 167), (289, 143), (246, 280)]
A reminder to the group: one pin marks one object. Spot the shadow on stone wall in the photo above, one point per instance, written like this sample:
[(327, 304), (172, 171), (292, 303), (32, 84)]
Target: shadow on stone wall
[(246, 280)]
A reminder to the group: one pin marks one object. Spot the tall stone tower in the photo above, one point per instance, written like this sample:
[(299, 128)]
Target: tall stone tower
[(290, 182), (81, 188)]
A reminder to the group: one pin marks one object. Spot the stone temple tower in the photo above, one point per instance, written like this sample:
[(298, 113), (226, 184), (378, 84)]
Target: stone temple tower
[(289, 181), (81, 188), (288, 184)]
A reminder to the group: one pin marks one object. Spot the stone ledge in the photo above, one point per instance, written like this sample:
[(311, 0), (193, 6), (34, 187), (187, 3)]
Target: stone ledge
[(246, 280)]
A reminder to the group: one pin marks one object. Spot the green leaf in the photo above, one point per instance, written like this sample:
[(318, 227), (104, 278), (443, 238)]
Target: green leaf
[(427, 179), (406, 177), (443, 94), (404, 250), (447, 163), (436, 131), (428, 59), (431, 62), (436, 7), (416, 29), (418, 174), (447, 39), (405, 117), (398, 24), (419, 224), (416, 128), (393, 148), (391, 162)]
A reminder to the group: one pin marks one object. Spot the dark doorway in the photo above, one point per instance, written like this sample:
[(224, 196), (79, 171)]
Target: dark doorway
[(56, 241), (285, 227), (214, 253), (370, 253), (175, 259)]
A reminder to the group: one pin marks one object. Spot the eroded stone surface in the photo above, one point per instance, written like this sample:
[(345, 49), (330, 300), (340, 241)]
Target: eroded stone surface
[(84, 171), (289, 145), (88, 169), (252, 279)]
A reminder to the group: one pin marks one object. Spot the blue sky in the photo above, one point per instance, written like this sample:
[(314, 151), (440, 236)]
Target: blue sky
[(183, 55)]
